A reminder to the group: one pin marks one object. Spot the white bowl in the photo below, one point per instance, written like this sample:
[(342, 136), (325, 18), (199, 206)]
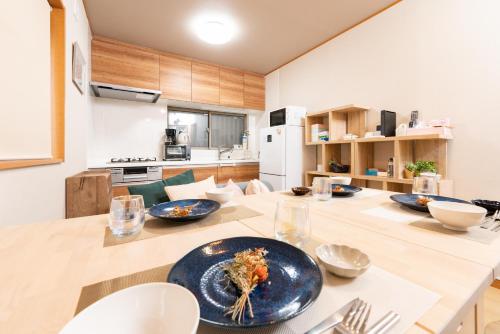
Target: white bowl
[(457, 216), (220, 195), (341, 180), (342, 260), (152, 308)]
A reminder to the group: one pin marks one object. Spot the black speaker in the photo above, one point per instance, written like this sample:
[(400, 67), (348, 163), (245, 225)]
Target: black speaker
[(387, 123)]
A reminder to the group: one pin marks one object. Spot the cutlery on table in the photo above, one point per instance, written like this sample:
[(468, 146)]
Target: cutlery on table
[(492, 221), (349, 310), (380, 327)]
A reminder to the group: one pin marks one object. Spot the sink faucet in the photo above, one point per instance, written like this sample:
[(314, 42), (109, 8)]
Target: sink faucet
[(223, 150)]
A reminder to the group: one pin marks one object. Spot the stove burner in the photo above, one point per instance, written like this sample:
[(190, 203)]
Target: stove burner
[(121, 160)]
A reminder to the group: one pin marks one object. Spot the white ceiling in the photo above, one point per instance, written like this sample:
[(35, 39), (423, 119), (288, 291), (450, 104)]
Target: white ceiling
[(270, 32)]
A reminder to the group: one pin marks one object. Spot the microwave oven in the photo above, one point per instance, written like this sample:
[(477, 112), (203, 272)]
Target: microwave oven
[(177, 152), (287, 116)]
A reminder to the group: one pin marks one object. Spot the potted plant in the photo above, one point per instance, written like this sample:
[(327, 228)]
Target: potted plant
[(409, 170), (337, 167), (415, 169)]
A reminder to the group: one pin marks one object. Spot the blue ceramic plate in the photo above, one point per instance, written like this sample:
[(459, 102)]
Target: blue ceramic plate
[(348, 190), (410, 201), (201, 209), (293, 285)]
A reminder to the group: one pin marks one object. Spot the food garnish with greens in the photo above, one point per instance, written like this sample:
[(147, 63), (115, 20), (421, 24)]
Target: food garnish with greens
[(247, 270)]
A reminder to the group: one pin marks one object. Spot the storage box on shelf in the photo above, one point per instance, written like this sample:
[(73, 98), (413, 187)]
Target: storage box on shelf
[(318, 118), (363, 153)]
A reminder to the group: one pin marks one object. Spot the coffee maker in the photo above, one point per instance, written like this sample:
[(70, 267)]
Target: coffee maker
[(170, 137)]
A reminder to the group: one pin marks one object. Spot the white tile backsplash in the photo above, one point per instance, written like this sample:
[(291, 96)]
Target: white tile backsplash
[(129, 129)]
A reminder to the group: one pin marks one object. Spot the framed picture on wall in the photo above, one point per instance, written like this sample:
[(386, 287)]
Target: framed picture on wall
[(79, 65)]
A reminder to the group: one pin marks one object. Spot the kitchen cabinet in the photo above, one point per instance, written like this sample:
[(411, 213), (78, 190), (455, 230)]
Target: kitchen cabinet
[(205, 83), (231, 87), (124, 64), (175, 77), (255, 91), (200, 173), (238, 172)]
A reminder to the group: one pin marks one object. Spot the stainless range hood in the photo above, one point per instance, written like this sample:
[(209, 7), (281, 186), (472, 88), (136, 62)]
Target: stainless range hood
[(124, 93)]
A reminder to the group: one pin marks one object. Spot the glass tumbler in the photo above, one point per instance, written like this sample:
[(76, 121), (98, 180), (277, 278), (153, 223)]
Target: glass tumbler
[(425, 184), (126, 216), (291, 222), (322, 188)]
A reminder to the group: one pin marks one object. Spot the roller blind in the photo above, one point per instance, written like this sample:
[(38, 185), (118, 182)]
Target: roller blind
[(25, 103)]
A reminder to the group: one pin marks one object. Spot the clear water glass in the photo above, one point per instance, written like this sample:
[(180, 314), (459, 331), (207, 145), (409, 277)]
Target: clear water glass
[(425, 184), (126, 216), (291, 222), (322, 188)]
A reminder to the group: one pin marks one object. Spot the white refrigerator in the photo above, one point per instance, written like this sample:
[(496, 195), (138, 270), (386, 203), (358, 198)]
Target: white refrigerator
[(284, 158)]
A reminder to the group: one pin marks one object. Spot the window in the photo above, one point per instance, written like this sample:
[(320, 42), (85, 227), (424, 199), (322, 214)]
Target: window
[(208, 129)]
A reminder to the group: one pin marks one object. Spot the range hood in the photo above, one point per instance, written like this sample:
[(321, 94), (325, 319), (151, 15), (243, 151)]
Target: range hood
[(124, 93)]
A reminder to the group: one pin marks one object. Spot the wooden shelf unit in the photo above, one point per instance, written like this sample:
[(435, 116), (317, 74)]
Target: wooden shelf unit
[(363, 153)]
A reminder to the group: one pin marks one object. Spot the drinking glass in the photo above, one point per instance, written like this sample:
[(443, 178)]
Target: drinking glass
[(322, 188), (291, 222), (126, 216), (425, 184)]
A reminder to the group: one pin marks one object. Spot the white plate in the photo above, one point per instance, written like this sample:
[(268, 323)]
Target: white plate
[(151, 308)]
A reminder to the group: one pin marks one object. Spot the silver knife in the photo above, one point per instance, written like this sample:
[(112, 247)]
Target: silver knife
[(333, 320), (384, 324)]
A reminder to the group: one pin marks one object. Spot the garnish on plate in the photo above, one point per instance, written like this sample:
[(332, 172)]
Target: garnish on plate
[(246, 271), (181, 211), (423, 200), (338, 189)]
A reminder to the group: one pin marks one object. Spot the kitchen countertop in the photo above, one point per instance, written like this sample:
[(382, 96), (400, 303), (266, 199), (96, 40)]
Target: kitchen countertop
[(171, 163), (46, 264)]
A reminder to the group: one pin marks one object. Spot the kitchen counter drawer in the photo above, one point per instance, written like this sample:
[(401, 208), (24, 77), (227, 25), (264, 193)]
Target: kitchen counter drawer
[(238, 172)]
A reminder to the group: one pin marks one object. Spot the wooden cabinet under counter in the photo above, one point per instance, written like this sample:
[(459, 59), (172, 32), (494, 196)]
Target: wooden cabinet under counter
[(124, 64), (238, 172), (200, 172)]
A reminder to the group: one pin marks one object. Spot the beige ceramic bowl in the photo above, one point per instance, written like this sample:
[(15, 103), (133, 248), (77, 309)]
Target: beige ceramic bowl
[(342, 260), (341, 180), (457, 216)]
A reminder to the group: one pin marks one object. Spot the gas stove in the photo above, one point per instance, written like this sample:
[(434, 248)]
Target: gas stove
[(122, 160)]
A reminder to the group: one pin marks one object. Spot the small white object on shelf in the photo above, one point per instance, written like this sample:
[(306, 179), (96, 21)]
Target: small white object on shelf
[(350, 136), (374, 134), (384, 174), (316, 129)]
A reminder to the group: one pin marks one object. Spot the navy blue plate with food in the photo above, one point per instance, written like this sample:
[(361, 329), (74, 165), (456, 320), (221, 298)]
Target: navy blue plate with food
[(293, 284), (410, 200), (344, 190), (184, 210)]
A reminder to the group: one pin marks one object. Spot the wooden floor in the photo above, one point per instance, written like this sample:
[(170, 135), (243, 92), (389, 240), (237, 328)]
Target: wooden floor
[(492, 309)]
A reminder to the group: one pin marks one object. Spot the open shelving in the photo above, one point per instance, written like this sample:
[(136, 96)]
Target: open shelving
[(363, 153)]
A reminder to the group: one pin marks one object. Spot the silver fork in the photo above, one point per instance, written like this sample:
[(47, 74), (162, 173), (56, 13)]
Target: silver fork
[(355, 320), (491, 221)]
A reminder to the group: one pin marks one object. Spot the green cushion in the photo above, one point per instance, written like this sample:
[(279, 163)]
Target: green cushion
[(153, 193), (183, 178)]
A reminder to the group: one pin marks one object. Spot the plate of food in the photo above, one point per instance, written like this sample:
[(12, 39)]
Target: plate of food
[(344, 190), (184, 210), (248, 282), (419, 202)]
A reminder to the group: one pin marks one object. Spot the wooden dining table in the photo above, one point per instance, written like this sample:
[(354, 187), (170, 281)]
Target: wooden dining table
[(44, 266)]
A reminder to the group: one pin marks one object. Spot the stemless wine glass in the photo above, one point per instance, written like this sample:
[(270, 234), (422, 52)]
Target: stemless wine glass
[(291, 222), (425, 184), (126, 216), (322, 188)]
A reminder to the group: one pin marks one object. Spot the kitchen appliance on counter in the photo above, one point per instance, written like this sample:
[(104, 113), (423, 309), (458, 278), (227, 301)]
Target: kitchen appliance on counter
[(284, 158), (127, 160), (135, 174), (290, 115), (177, 152), (170, 137)]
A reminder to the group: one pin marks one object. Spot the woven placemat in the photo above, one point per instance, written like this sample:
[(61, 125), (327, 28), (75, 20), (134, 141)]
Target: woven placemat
[(92, 293), (475, 233), (154, 227)]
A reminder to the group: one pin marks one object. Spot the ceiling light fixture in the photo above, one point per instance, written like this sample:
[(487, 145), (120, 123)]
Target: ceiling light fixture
[(214, 29)]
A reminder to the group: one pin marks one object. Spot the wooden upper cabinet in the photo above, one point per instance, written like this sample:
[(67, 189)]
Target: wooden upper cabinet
[(255, 90), (205, 83), (231, 87), (175, 77), (124, 64)]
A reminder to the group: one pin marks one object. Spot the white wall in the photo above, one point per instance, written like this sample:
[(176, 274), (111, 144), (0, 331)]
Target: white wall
[(131, 129), (38, 193), (440, 57)]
